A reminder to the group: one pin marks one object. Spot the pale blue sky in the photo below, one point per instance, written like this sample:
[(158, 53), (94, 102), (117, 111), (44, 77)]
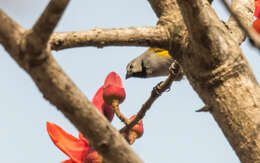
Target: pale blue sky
[(173, 131)]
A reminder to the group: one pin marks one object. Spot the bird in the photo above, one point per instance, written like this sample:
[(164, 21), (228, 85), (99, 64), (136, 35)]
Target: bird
[(154, 62)]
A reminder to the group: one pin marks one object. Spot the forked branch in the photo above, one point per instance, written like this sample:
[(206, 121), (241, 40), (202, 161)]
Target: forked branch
[(37, 38), (57, 87)]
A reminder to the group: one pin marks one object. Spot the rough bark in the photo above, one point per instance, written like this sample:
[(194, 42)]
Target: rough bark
[(240, 25), (244, 10), (141, 36), (217, 69), (30, 50), (207, 49), (219, 72)]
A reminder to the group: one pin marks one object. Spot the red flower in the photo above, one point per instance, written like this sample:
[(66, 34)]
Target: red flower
[(101, 105), (256, 25), (257, 9), (71, 146), (98, 99), (77, 149), (108, 111), (113, 89), (93, 157), (138, 128), (136, 132)]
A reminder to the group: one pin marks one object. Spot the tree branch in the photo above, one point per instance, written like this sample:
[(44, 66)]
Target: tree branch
[(61, 92), (37, 38), (219, 72), (158, 36), (58, 88), (170, 17), (164, 9), (140, 36), (209, 55), (174, 72), (249, 31), (10, 32), (244, 10)]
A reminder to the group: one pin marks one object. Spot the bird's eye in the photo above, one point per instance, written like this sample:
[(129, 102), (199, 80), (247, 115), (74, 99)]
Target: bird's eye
[(131, 66)]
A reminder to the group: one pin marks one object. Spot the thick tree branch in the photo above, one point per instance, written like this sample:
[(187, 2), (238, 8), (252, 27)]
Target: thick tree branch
[(158, 36), (208, 53), (249, 31), (61, 92), (140, 36), (219, 72), (170, 18), (244, 10), (40, 33), (57, 87), (10, 32), (164, 9)]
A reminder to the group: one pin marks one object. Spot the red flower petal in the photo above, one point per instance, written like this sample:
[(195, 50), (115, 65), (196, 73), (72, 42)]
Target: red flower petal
[(68, 161), (83, 139), (93, 157), (98, 99), (108, 111), (138, 128), (105, 109), (256, 25), (71, 146), (257, 9), (113, 79), (113, 89)]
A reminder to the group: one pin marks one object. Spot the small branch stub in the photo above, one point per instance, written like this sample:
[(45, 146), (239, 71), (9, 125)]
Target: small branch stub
[(204, 109)]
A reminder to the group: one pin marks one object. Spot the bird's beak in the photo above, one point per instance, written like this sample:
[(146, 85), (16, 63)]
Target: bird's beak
[(128, 75)]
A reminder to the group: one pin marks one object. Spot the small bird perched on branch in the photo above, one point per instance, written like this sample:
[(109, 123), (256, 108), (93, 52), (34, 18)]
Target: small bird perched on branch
[(153, 62)]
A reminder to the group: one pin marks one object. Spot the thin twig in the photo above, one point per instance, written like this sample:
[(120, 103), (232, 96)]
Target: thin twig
[(115, 106), (249, 31), (175, 69)]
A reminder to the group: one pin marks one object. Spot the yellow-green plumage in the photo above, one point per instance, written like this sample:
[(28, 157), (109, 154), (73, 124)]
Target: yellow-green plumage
[(152, 63), (160, 52)]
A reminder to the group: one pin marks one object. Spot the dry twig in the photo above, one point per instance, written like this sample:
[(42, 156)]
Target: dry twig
[(174, 70)]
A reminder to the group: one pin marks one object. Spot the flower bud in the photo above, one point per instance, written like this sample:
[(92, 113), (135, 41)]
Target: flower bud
[(138, 128), (93, 157), (113, 89)]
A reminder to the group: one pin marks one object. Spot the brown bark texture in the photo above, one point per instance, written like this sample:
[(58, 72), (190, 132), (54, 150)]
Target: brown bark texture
[(207, 49), (31, 51)]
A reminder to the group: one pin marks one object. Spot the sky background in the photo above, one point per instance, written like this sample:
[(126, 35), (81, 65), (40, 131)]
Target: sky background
[(173, 131)]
